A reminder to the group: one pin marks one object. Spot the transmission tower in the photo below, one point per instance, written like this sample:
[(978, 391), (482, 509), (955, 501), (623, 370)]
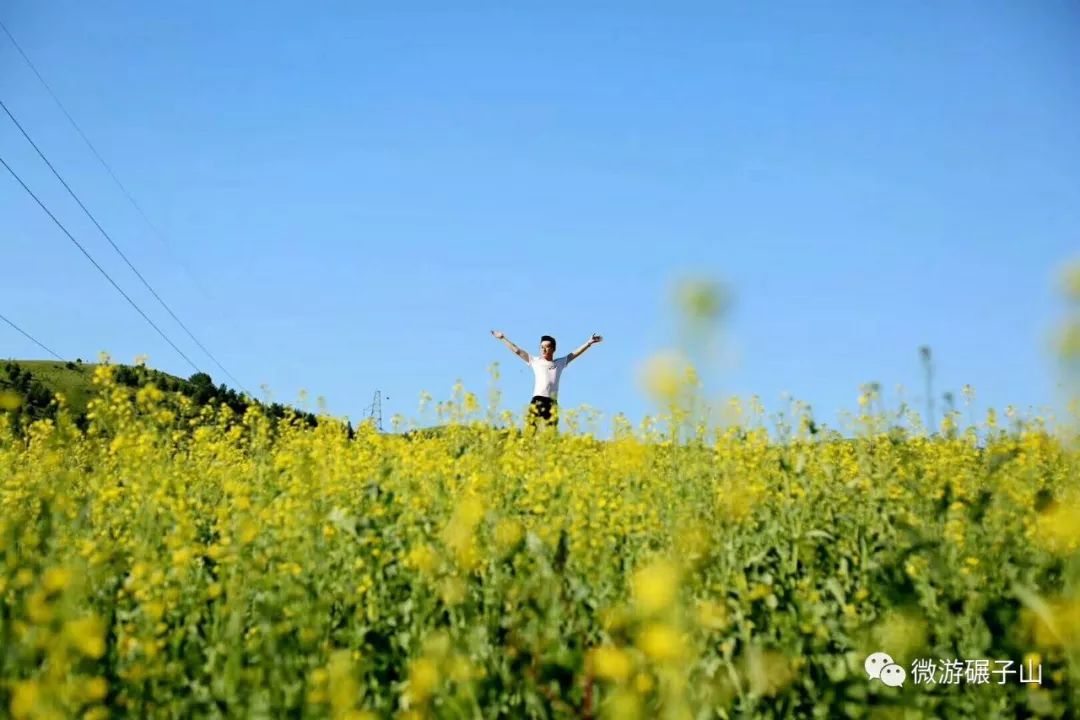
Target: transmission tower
[(375, 410)]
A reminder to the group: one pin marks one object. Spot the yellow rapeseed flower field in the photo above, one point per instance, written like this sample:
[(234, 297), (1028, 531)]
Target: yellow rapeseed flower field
[(178, 562)]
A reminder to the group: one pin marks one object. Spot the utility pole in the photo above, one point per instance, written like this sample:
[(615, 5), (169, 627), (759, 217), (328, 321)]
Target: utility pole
[(928, 372)]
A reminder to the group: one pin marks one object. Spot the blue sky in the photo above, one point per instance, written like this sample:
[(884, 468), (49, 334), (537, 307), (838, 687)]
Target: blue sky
[(354, 195)]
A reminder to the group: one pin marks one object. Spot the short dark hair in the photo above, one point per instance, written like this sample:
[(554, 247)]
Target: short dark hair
[(549, 339)]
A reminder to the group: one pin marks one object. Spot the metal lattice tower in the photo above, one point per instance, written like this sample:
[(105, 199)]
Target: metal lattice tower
[(375, 410)]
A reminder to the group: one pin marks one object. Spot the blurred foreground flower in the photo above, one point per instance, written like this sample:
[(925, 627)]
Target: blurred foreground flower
[(668, 378), (655, 587), (701, 300)]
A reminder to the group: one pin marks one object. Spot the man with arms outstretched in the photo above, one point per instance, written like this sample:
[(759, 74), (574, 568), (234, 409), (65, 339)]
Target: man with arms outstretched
[(547, 370)]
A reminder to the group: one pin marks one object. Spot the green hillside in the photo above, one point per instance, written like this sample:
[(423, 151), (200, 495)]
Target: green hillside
[(72, 380), (36, 382)]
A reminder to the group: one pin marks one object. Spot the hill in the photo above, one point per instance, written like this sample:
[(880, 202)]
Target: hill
[(72, 380), (36, 382)]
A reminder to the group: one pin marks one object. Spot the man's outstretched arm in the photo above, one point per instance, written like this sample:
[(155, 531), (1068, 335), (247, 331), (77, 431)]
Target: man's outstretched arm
[(588, 344), (513, 348)]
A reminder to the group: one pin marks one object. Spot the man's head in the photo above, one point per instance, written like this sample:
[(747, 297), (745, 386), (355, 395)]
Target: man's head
[(547, 347)]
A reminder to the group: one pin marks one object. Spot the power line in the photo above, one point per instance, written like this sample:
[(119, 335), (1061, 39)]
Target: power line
[(30, 337), (131, 199), (95, 264), (116, 248)]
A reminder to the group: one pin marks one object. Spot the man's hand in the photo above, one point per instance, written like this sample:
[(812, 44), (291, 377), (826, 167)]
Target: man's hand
[(596, 338), (498, 334)]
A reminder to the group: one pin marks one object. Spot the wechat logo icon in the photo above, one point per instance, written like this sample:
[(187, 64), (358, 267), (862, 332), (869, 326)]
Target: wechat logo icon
[(880, 666)]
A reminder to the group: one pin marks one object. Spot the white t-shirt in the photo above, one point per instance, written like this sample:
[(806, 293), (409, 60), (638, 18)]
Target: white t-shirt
[(547, 373)]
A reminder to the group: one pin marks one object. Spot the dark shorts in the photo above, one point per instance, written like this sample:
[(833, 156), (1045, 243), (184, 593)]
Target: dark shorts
[(543, 408)]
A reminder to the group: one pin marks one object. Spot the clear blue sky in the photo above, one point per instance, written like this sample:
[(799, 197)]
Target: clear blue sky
[(361, 193)]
